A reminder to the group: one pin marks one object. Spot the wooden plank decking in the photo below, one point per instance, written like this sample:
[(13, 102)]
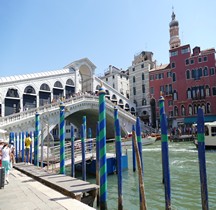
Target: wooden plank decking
[(69, 186)]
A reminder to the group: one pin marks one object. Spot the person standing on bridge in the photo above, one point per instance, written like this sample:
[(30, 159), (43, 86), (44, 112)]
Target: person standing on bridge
[(28, 143)]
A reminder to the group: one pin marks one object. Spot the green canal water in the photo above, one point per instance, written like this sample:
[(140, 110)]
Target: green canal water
[(184, 173)]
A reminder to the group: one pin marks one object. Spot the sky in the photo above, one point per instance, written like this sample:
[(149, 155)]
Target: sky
[(45, 35)]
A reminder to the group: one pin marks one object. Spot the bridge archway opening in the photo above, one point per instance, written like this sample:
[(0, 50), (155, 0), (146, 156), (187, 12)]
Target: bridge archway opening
[(29, 98), (58, 91), (12, 101), (44, 95), (69, 88), (86, 79)]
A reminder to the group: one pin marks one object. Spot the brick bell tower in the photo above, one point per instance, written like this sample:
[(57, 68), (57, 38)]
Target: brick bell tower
[(174, 33)]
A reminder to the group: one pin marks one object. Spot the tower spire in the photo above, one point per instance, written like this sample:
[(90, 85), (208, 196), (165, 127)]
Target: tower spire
[(174, 32)]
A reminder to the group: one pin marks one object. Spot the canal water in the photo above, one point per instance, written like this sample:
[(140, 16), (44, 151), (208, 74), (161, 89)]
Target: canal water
[(184, 173)]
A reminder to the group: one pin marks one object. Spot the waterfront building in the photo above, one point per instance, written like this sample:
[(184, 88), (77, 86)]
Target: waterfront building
[(139, 84), (187, 82), (118, 79)]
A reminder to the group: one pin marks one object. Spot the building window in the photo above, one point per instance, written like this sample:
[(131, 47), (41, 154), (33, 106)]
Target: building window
[(170, 102), (107, 79), (212, 71), (134, 79), (187, 62), (173, 77), (185, 50), (142, 65), (143, 76), (113, 85), (188, 74), (190, 110), (207, 90), (175, 111), (199, 59), (173, 65), (189, 93), (134, 90), (144, 102), (214, 91), (133, 68), (192, 61), (208, 108), (183, 112), (170, 89), (113, 76), (175, 95), (169, 74), (205, 59), (162, 89), (152, 77), (152, 90), (143, 88), (174, 53), (205, 71), (195, 109)]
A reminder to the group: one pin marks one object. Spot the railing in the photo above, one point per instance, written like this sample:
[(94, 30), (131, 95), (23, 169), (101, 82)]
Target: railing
[(55, 150), (54, 106)]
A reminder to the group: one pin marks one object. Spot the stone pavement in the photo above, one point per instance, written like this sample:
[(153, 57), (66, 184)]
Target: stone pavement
[(24, 193)]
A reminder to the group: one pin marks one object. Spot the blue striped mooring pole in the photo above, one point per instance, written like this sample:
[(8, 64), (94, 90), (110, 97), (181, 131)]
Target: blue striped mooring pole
[(83, 137), (133, 150), (62, 138), (119, 162), (102, 139), (36, 139), (165, 154), (202, 158), (72, 153)]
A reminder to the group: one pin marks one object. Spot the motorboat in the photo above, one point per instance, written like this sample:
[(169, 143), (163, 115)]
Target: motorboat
[(146, 140), (210, 135)]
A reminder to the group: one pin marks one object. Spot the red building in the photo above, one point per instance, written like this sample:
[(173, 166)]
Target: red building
[(187, 82)]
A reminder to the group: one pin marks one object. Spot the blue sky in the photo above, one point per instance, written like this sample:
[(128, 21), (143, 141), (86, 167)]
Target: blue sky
[(42, 35)]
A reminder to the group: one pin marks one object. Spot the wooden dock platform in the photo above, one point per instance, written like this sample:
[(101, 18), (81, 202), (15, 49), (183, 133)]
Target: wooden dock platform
[(69, 186)]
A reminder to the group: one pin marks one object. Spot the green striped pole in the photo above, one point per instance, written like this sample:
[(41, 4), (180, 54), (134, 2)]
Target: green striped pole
[(102, 140), (97, 160), (72, 153), (62, 138), (165, 154), (119, 163), (37, 127), (202, 158)]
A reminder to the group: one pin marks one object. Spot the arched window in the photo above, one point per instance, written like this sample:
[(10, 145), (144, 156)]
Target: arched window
[(127, 107), (203, 108), (173, 77), (207, 90), (12, 93), (195, 109), (98, 87), (189, 93), (205, 71), (175, 111), (144, 102), (120, 101), (107, 92), (143, 76), (29, 90), (208, 108), (175, 95), (44, 86), (70, 82), (114, 98), (190, 110), (188, 74), (58, 84), (183, 112)]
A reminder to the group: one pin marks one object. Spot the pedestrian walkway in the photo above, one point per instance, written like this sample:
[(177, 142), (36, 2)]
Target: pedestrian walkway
[(24, 193)]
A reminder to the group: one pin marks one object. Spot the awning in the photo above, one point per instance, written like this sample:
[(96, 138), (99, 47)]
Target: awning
[(191, 120)]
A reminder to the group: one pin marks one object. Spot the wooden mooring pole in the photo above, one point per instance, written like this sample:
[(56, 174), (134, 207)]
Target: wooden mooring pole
[(143, 205)]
